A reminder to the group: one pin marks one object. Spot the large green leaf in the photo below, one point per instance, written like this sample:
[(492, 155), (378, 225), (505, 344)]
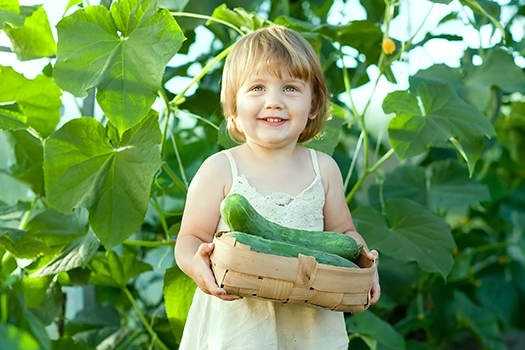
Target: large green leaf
[(114, 270), (82, 169), (78, 253), (328, 138), (22, 244), (34, 39), (178, 295), (39, 99), (408, 232), (122, 52), (474, 83), (443, 118), (445, 184)]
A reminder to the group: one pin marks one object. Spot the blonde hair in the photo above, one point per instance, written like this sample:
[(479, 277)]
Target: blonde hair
[(278, 51)]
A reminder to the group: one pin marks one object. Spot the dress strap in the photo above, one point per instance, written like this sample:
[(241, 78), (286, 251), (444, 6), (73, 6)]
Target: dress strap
[(233, 165), (315, 162)]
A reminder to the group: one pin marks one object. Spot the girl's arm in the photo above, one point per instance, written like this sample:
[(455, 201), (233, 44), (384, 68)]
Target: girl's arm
[(199, 222), (337, 216)]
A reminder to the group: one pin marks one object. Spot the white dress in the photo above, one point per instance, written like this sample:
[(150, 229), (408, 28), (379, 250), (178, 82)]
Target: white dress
[(251, 323)]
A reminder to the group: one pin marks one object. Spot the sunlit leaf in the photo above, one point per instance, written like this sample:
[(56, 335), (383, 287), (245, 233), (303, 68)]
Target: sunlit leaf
[(122, 52), (408, 232), (12, 117), (76, 254), (35, 290), (82, 169), (21, 244), (178, 294), (442, 116), (34, 39), (17, 339), (51, 306), (114, 270), (247, 22), (38, 98)]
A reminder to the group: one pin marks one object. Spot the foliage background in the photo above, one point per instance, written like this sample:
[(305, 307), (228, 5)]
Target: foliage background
[(99, 147)]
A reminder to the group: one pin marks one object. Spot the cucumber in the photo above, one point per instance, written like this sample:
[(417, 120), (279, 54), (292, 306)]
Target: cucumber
[(239, 215), (262, 245)]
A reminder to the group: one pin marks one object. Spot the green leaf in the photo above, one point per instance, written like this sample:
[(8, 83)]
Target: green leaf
[(51, 306), (178, 295), (56, 229), (115, 271), (122, 52), (13, 212), (82, 169), (478, 320), (408, 232), (474, 83), (445, 184), (35, 290), (368, 324), (12, 117), (76, 254), (328, 138), (34, 39), (364, 36), (29, 155), (247, 22), (444, 116), (17, 339), (450, 186), (39, 99), (21, 244)]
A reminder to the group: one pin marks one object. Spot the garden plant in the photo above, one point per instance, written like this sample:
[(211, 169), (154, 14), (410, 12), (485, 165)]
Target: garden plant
[(98, 148)]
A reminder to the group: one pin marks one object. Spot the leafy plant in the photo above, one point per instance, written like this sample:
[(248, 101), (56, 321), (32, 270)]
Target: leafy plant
[(92, 192)]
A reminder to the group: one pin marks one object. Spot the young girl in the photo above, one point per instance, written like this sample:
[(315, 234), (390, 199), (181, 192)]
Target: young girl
[(273, 96)]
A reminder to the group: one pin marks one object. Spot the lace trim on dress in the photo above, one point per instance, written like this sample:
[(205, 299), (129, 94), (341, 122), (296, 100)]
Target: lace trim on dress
[(303, 211)]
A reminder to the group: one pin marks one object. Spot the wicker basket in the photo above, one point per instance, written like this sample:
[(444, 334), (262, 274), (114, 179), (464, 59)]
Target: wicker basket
[(246, 273)]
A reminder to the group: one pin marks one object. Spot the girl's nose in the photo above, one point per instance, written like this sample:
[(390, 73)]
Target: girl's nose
[(273, 100)]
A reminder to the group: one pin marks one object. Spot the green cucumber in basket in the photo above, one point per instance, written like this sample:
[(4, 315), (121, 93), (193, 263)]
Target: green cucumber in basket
[(262, 245), (239, 215)]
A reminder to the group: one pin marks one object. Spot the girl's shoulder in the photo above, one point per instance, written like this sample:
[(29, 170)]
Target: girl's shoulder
[(327, 164)]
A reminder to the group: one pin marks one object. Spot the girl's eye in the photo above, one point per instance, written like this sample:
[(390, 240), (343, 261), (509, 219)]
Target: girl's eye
[(290, 89), (257, 88)]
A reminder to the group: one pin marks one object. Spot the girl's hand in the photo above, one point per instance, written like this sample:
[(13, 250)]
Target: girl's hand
[(203, 275), (375, 292)]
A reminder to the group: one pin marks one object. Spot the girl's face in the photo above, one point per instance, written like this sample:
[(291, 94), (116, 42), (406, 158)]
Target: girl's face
[(273, 111)]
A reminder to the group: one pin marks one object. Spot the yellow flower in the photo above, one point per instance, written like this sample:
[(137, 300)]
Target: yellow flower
[(389, 46)]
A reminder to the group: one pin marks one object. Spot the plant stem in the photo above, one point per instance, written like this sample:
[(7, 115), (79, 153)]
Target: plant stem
[(367, 171), (149, 244), (162, 218), (177, 100), (174, 177), (209, 18), (148, 327)]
